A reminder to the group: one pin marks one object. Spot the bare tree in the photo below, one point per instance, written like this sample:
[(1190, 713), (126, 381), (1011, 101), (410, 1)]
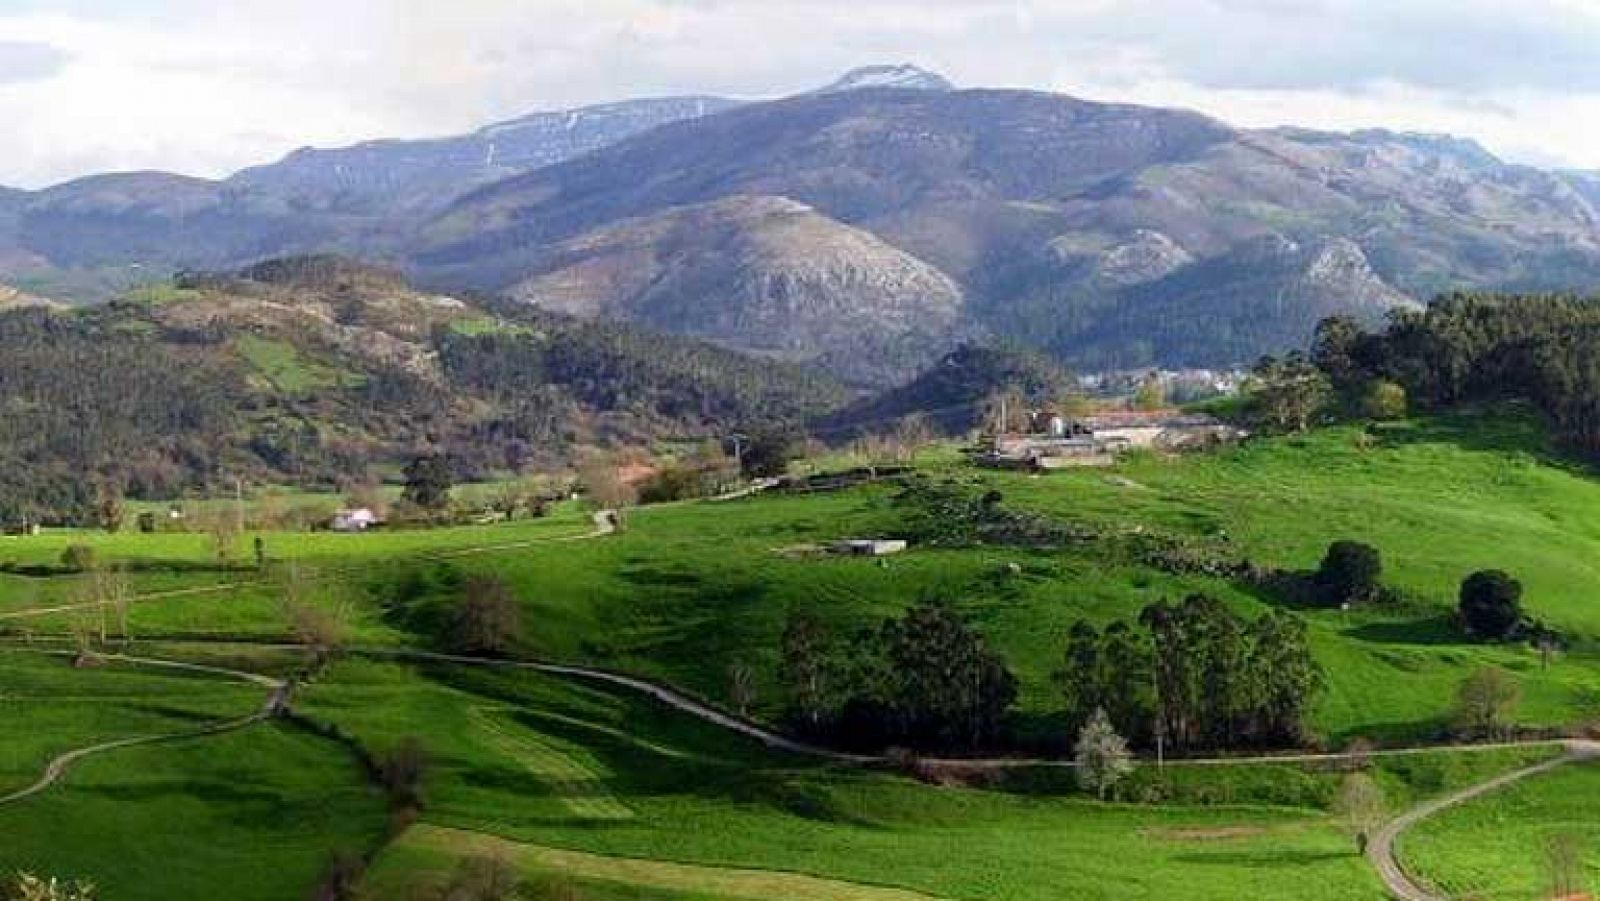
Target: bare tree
[(1486, 702), (487, 619), (1564, 856), (113, 594), (321, 628), (1359, 808), (606, 488), (742, 686), (911, 435)]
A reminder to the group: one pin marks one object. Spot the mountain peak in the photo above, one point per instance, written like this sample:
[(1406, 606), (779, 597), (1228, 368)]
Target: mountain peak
[(904, 76)]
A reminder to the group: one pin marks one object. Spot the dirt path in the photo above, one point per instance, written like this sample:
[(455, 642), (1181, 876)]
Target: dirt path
[(1381, 850), (276, 701)]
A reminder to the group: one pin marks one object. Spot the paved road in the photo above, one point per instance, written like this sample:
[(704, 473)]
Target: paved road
[(1381, 850), (276, 702)]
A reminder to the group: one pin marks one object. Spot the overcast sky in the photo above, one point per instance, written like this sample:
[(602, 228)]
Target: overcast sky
[(208, 86)]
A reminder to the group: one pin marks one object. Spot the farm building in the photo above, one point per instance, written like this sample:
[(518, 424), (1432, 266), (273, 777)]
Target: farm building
[(1096, 440)]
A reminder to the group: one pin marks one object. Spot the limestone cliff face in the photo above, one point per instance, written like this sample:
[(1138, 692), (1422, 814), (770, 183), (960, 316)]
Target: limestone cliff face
[(762, 274)]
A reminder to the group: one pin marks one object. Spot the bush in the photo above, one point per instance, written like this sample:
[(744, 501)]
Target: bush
[(78, 558), (1491, 605), (1385, 401)]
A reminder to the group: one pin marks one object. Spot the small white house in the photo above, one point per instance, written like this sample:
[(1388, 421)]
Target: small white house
[(869, 547), (357, 520)]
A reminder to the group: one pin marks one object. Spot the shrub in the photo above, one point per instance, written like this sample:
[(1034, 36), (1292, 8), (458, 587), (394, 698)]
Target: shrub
[(78, 558)]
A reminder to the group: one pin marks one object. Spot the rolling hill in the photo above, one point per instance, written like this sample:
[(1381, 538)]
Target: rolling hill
[(314, 370)]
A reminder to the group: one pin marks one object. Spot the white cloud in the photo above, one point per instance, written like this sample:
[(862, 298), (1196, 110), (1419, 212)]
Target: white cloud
[(205, 88)]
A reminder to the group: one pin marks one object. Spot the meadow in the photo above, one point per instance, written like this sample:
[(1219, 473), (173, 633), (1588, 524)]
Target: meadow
[(605, 794), (1498, 846)]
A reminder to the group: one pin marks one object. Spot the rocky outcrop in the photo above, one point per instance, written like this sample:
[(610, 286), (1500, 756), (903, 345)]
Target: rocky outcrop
[(762, 274)]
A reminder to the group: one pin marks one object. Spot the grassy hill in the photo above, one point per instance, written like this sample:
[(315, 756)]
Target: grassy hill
[(567, 778)]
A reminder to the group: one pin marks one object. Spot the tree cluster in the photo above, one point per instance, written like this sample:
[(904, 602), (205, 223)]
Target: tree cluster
[(926, 679), (1194, 675), (1467, 348)]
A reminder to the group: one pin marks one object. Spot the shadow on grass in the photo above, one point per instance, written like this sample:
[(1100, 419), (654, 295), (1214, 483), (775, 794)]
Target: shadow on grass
[(1438, 630), (1263, 859)]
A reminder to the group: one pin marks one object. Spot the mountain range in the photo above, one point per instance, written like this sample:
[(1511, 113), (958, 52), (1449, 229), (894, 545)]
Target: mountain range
[(871, 226)]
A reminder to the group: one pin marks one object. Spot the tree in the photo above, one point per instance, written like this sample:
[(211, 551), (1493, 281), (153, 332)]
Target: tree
[(223, 529), (402, 770), (807, 668), (1101, 755), (1286, 394), (1152, 395), (1359, 808), (1486, 701), (741, 686), (949, 687), (1081, 677), (487, 618), (769, 448), (605, 487), (429, 481), (1384, 401), (1564, 855), (113, 594), (1491, 605), (322, 630), (1350, 572)]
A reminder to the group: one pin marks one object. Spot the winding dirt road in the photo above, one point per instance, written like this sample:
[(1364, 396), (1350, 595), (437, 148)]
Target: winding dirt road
[(1381, 850), (276, 702)]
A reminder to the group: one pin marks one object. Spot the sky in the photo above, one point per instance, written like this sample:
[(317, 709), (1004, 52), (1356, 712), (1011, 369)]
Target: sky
[(205, 87)]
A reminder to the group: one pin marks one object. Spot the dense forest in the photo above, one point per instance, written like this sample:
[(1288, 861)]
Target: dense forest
[(1469, 348), (318, 371)]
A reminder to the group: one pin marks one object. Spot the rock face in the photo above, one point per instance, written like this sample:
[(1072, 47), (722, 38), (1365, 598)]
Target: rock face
[(762, 274)]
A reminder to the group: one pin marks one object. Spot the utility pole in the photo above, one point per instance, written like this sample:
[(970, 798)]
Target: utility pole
[(238, 502)]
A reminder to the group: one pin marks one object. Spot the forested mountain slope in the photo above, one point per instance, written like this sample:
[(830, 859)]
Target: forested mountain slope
[(312, 370)]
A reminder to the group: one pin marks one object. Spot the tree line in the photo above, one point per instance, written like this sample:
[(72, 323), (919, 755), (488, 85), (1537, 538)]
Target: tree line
[(1192, 676)]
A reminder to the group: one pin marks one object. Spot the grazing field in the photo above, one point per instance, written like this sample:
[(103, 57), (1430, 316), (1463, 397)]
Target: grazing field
[(50, 708), (608, 794), (1498, 846), (690, 589), (620, 781), (252, 815)]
